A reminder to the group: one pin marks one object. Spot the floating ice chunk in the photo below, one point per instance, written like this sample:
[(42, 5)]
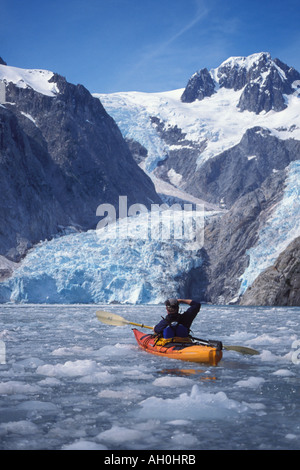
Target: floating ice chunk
[(13, 387), (50, 382), (251, 382), (196, 405), (31, 362), (22, 427), (84, 445), (69, 368), (266, 339), (284, 373), (172, 382), (291, 436), (69, 351), (103, 377), (120, 435), (179, 422), (127, 393), (184, 440), (36, 406), (268, 356)]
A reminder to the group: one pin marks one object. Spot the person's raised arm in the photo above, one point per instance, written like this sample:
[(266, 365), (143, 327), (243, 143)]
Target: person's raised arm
[(185, 301)]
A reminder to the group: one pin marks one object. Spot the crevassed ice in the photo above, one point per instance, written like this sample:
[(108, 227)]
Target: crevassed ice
[(103, 266), (281, 229)]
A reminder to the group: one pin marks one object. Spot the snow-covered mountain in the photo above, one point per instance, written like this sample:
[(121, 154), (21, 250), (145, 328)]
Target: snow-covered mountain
[(230, 140), (183, 129), (40, 81), (61, 155)]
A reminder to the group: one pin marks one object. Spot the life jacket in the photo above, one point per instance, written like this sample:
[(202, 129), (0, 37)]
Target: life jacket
[(175, 329)]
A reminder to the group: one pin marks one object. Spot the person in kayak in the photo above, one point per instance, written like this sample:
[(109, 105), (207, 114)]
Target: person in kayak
[(175, 323)]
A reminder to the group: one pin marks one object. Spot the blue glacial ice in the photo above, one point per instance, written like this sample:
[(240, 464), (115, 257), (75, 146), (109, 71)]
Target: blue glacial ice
[(282, 228), (117, 263), (102, 266)]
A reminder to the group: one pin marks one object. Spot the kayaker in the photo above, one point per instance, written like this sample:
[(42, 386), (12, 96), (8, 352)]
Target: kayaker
[(175, 323)]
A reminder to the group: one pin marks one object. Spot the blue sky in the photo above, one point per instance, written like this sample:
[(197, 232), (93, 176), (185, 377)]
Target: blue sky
[(144, 45)]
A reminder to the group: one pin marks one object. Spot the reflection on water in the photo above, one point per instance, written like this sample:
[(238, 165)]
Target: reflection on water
[(187, 372), (228, 364)]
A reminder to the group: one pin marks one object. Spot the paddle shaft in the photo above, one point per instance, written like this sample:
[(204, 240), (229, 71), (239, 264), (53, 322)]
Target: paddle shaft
[(140, 324), (117, 320)]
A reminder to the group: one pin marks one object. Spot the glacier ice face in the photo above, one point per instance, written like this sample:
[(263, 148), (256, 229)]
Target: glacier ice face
[(103, 266), (279, 231)]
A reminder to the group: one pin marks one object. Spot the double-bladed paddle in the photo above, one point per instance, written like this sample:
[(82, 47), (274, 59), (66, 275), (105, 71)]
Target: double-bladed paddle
[(116, 320), (240, 349)]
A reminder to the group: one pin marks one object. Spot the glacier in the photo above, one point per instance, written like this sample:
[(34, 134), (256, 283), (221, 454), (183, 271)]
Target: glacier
[(119, 264), (281, 228), (106, 265)]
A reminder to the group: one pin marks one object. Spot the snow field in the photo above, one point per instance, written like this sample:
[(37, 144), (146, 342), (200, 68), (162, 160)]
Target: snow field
[(216, 120), (36, 79)]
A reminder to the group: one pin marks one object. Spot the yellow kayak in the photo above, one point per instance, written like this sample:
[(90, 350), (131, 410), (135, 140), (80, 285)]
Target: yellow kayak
[(184, 351)]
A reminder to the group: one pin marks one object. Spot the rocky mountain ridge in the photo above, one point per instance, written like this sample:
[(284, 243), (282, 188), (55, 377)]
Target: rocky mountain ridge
[(61, 155), (280, 283), (264, 82)]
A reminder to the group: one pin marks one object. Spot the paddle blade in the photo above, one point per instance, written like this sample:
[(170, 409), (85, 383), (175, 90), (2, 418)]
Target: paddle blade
[(111, 318), (116, 320), (242, 350)]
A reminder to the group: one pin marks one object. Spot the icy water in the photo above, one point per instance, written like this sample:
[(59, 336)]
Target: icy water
[(69, 382)]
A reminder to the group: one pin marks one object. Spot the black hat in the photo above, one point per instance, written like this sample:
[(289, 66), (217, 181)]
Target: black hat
[(172, 304)]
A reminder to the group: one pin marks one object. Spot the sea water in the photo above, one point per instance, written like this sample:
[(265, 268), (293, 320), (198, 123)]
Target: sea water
[(68, 381)]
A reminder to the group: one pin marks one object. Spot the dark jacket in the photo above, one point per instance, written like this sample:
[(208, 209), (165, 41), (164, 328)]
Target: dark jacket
[(185, 319)]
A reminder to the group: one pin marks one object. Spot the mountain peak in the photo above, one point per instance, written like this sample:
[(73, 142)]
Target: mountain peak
[(201, 85), (38, 80), (248, 61), (2, 61), (264, 82)]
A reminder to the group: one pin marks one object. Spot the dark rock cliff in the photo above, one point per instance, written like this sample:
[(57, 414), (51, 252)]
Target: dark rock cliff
[(60, 157), (228, 238), (242, 168), (199, 86), (279, 284)]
